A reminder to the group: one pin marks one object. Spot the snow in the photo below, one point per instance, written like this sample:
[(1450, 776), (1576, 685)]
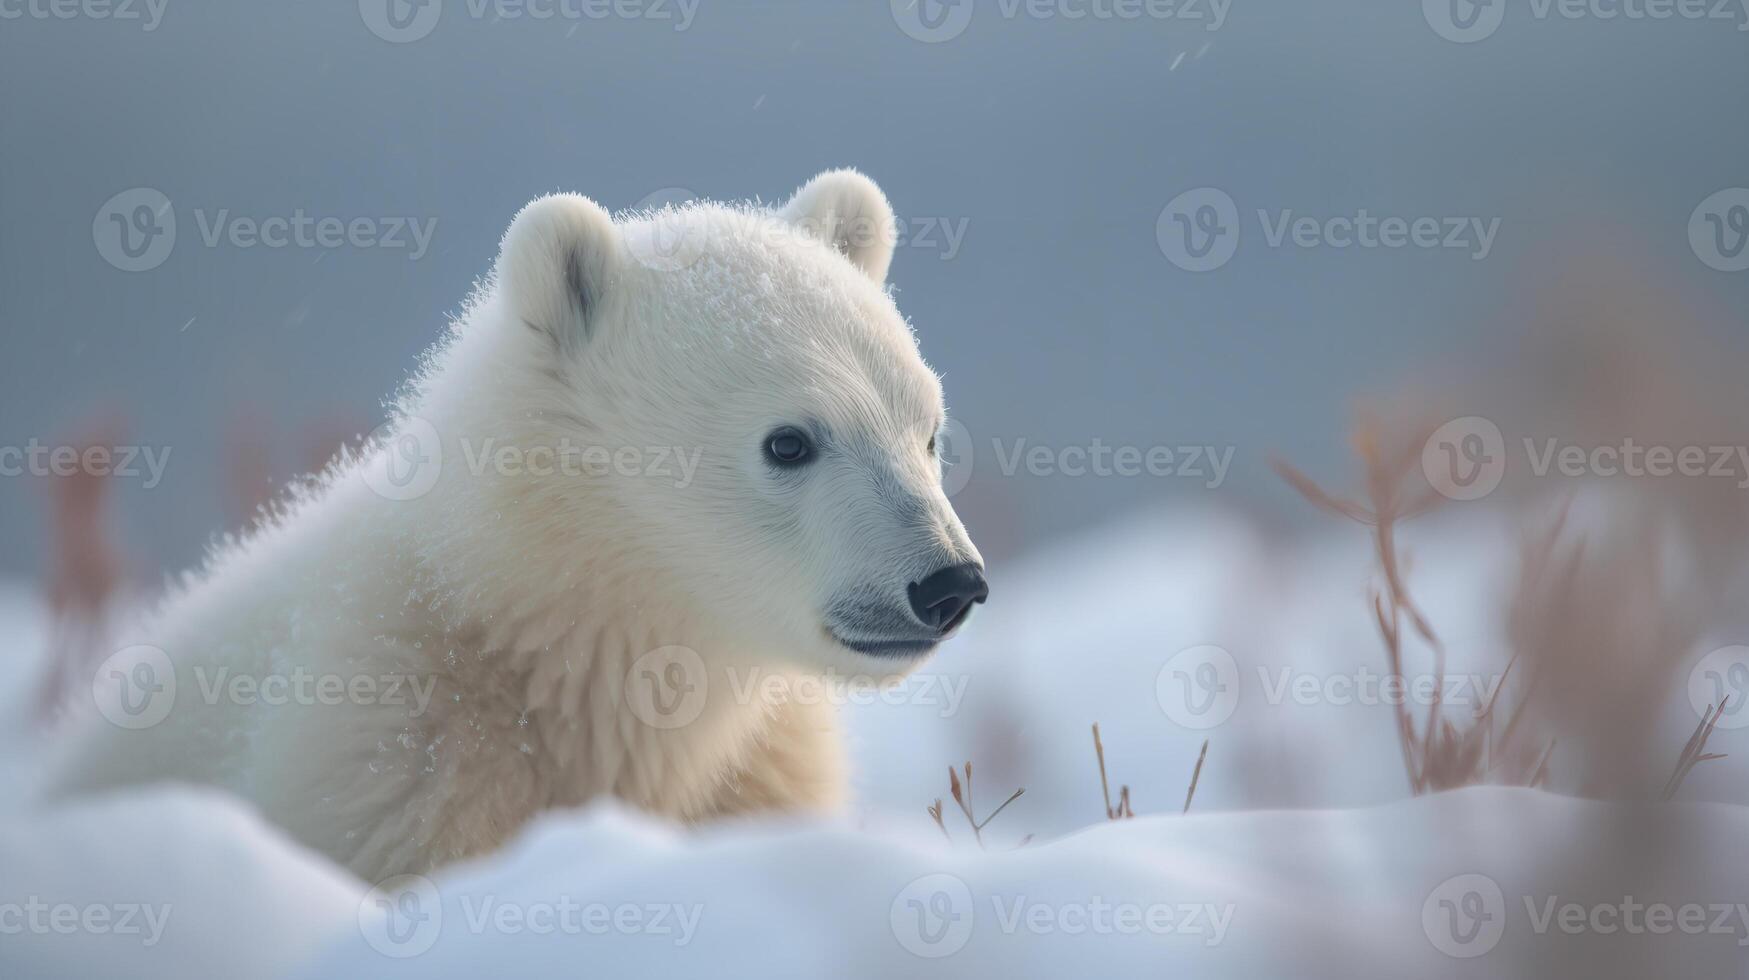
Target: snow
[(1281, 893), (1082, 633), (1354, 881), (177, 882), (605, 892)]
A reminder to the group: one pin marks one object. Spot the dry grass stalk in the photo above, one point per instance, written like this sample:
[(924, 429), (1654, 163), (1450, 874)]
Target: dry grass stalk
[(1437, 754), (1593, 613), (1195, 776), (1695, 753), (87, 572), (1122, 810), (962, 794)]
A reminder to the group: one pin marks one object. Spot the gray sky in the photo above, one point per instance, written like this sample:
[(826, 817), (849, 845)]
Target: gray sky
[(1031, 156)]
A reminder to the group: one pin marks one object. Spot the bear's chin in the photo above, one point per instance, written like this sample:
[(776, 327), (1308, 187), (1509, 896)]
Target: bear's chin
[(897, 651), (835, 658)]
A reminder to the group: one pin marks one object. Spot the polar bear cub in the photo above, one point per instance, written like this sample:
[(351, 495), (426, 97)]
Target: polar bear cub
[(659, 469)]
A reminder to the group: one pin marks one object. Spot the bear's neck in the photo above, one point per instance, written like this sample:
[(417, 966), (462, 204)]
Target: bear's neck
[(626, 688), (622, 702)]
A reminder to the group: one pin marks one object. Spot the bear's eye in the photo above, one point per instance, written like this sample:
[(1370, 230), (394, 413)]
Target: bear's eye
[(932, 445), (788, 447)]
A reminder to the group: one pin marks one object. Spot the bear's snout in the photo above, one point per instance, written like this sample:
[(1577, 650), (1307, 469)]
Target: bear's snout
[(943, 599)]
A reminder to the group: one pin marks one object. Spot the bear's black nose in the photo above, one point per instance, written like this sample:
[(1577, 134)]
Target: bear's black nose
[(942, 599)]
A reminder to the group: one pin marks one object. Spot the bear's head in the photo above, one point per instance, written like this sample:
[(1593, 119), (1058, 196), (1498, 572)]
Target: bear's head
[(763, 424)]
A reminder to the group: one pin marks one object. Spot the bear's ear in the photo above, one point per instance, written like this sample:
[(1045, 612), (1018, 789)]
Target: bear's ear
[(560, 259), (846, 210)]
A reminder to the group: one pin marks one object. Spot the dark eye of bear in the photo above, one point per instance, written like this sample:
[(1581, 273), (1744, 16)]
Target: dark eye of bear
[(788, 447)]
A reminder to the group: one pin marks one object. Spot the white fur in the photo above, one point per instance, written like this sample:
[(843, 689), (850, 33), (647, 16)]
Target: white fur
[(527, 599)]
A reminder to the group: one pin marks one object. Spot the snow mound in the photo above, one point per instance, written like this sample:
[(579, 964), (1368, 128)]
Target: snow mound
[(171, 882), (1484, 882)]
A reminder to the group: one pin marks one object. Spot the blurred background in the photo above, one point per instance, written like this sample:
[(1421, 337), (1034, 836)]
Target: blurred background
[(1213, 236), (1263, 325), (1031, 149)]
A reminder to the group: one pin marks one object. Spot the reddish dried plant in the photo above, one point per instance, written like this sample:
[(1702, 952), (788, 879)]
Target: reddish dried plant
[(962, 795), (1590, 611), (86, 571), (1122, 810), (1437, 753), (1695, 753)]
